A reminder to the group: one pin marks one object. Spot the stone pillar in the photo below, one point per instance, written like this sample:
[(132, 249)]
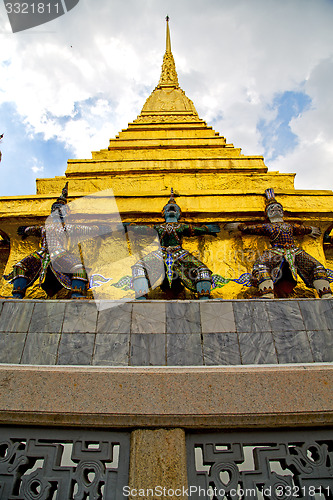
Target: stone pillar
[(158, 463)]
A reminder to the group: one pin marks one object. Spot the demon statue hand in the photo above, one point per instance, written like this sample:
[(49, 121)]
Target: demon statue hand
[(277, 268), (52, 265), (178, 264)]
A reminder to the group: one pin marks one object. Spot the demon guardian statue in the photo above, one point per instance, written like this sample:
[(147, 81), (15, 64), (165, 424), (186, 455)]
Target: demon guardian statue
[(277, 268)]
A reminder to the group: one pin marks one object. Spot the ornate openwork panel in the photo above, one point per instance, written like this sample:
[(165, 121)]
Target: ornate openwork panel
[(62, 464), (261, 465)]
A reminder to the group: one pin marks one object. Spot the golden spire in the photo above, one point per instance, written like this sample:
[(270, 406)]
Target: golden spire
[(168, 99), (169, 76), (168, 40)]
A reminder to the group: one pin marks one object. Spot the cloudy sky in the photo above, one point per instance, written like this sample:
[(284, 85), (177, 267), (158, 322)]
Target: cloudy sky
[(259, 71)]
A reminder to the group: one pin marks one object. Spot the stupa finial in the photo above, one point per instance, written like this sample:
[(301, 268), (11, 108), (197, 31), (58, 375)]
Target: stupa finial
[(168, 40), (169, 77)]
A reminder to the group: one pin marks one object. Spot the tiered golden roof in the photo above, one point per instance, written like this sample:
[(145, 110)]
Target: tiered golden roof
[(168, 137)]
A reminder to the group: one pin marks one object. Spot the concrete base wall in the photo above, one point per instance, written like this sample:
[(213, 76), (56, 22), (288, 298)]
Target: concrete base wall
[(186, 397)]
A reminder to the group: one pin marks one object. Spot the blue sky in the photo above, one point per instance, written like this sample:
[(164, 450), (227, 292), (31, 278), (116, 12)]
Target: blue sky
[(277, 135), (27, 155), (259, 72)]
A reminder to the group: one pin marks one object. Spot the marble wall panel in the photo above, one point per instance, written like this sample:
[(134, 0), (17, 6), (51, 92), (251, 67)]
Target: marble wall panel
[(41, 348), (252, 316), (149, 317), (317, 314), (11, 347), (148, 349), (285, 316), (141, 333), (183, 317), (321, 343), (116, 319), (257, 348), (47, 317), (217, 317), (184, 349), (76, 349), (293, 347), (80, 317), (16, 316), (111, 349), (221, 349)]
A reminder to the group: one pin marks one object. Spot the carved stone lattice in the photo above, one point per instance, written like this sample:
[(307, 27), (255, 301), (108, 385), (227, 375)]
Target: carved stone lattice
[(54, 464), (267, 465)]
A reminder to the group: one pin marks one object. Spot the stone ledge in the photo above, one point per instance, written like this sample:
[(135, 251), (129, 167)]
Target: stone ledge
[(160, 333), (188, 397)]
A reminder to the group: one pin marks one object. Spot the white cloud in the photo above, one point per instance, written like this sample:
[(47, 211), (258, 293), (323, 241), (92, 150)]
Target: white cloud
[(37, 166), (313, 156)]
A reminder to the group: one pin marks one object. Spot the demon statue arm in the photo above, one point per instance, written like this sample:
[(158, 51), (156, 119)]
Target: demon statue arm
[(312, 231), (190, 230), (26, 231), (276, 270), (266, 229)]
